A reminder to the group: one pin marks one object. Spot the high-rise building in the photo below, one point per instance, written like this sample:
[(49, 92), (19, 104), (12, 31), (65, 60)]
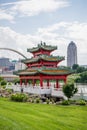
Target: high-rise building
[(5, 63), (71, 54), (19, 65)]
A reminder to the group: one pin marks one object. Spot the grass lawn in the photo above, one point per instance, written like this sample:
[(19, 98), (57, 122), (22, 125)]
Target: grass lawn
[(26, 116)]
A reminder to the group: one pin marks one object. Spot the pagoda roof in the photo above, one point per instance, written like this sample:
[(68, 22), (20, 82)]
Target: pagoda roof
[(46, 71), (27, 72), (43, 57), (42, 46)]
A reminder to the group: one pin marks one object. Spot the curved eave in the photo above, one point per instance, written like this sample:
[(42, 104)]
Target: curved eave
[(31, 60), (33, 50), (47, 48), (27, 73), (50, 59), (55, 72), (35, 72)]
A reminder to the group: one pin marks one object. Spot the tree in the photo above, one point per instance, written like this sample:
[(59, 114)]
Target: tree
[(1, 78), (3, 82), (69, 90), (75, 66), (82, 78), (80, 69)]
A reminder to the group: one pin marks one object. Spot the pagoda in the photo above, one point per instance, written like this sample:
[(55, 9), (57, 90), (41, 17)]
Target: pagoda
[(43, 67)]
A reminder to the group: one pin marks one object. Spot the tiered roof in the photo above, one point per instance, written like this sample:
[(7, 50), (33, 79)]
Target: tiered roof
[(42, 46), (44, 57), (45, 71)]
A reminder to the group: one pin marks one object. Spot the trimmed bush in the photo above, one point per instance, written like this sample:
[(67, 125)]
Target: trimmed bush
[(80, 102), (19, 97), (47, 101), (9, 90), (65, 102), (37, 100), (69, 90), (3, 82)]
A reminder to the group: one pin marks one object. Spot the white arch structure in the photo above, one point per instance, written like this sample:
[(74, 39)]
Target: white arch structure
[(14, 51)]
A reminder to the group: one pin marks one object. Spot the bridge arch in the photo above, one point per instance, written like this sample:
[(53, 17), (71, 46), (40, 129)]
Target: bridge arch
[(14, 51)]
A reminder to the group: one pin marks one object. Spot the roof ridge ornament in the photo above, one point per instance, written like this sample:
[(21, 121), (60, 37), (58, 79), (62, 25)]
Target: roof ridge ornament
[(41, 43)]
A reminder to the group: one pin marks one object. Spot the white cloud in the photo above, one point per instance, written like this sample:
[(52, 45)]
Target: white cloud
[(64, 32), (34, 7), (6, 16), (59, 34), (11, 39), (31, 7)]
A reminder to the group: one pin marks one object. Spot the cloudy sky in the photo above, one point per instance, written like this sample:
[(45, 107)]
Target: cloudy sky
[(25, 23)]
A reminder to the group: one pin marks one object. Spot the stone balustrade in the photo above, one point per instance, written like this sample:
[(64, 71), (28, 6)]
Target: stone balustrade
[(81, 94)]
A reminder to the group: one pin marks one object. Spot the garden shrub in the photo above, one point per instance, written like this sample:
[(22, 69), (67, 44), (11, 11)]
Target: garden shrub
[(47, 101), (80, 102), (52, 101), (3, 82), (19, 97), (66, 102), (3, 87), (9, 90), (33, 100), (37, 100)]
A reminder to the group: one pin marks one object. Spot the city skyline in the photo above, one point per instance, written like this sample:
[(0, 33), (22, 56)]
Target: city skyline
[(25, 23)]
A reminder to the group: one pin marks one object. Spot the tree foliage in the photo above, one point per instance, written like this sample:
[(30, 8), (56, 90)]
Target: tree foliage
[(82, 78), (69, 90), (2, 81), (75, 66), (78, 69), (1, 78)]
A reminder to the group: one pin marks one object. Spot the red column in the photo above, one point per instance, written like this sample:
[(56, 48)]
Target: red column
[(41, 82), (65, 80), (26, 82), (33, 82), (20, 81), (48, 83), (57, 84)]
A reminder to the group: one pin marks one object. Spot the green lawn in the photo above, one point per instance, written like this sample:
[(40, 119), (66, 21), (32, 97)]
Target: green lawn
[(26, 116)]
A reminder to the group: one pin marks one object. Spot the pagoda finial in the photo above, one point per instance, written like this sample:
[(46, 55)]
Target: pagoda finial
[(41, 42), (44, 43)]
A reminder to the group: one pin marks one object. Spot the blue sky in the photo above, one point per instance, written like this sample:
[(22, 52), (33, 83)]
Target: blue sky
[(24, 23)]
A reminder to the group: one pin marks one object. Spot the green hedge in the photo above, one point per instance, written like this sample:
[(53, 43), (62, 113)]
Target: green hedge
[(80, 102), (65, 102), (19, 97)]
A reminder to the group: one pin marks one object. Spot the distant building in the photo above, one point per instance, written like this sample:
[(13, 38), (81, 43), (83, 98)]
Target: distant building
[(7, 65), (4, 63), (9, 77), (19, 65), (71, 54)]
